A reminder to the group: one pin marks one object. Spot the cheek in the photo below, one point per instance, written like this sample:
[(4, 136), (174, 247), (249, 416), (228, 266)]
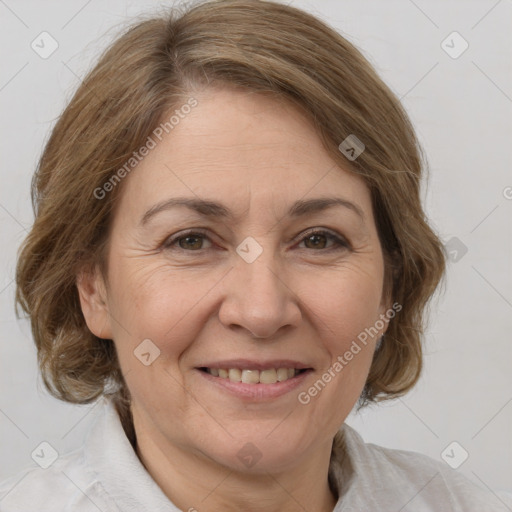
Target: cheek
[(164, 304), (345, 302), (155, 302), (345, 314)]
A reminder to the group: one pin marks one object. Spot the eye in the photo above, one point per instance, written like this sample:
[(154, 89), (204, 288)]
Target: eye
[(191, 241), (317, 239)]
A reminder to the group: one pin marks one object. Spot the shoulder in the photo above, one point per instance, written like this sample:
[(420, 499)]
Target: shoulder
[(66, 485), (412, 481)]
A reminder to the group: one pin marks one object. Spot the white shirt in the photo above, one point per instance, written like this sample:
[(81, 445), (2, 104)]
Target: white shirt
[(106, 475)]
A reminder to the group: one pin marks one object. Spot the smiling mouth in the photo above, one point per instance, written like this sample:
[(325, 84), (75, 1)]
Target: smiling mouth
[(248, 376)]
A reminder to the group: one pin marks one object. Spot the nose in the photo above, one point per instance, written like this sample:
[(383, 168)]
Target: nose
[(258, 299)]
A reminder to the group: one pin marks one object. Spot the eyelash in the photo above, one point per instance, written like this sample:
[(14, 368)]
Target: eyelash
[(340, 243)]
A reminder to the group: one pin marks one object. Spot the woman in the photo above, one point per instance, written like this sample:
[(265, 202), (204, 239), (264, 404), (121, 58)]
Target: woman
[(230, 250)]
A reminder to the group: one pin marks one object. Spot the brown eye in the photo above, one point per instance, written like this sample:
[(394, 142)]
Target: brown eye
[(320, 239), (192, 241), (314, 240), (317, 241)]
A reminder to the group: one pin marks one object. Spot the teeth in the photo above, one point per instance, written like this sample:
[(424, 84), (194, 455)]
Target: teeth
[(282, 374), (250, 376), (235, 374), (268, 376)]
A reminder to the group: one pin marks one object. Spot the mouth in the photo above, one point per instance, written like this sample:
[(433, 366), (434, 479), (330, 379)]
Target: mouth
[(255, 376), (254, 380)]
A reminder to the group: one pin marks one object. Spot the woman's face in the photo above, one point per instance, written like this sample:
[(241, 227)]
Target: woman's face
[(264, 281)]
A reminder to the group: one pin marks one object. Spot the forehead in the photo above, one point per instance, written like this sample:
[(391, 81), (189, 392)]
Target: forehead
[(249, 150)]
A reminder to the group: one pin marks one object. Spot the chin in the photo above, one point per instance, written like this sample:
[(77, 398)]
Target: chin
[(257, 453)]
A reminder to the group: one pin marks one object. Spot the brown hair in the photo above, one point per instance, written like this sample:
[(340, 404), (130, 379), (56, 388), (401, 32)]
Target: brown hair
[(260, 46)]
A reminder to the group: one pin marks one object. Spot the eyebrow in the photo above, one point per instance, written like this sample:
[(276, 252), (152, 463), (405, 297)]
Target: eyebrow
[(215, 209)]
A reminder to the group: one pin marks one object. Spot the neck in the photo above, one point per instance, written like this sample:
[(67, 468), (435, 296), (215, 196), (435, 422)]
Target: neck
[(194, 482)]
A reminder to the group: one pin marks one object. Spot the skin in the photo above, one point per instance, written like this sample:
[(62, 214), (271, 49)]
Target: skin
[(203, 302)]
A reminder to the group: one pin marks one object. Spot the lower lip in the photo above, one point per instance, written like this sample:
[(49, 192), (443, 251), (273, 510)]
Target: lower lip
[(256, 391)]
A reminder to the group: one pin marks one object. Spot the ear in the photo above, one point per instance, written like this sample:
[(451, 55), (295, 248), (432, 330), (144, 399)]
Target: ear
[(386, 304), (384, 311), (93, 300), (393, 267)]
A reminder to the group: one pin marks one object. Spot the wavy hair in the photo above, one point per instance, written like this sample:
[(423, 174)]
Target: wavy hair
[(152, 67)]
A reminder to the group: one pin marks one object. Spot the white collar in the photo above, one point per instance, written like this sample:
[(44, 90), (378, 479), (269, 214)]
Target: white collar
[(370, 477), (117, 468), (110, 457)]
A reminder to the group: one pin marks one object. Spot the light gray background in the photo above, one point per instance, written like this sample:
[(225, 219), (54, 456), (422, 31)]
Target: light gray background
[(461, 109)]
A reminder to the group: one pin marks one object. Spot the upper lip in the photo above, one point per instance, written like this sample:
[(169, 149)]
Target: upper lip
[(250, 364)]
